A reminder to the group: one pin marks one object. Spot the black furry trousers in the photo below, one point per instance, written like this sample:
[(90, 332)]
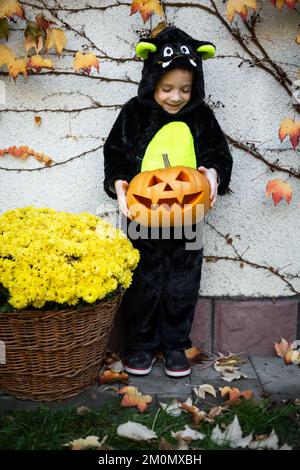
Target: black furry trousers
[(159, 305)]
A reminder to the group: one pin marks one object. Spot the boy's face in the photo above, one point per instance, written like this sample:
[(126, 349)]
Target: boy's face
[(174, 89)]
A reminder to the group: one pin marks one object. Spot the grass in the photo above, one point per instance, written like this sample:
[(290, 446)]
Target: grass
[(47, 429)]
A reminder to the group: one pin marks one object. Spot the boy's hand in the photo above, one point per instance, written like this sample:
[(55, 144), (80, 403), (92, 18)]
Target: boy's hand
[(212, 176), (121, 187)]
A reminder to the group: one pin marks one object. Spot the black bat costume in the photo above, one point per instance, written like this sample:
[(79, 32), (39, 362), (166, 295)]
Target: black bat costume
[(159, 305)]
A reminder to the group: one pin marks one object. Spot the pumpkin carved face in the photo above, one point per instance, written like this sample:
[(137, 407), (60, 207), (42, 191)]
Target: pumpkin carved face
[(171, 196)]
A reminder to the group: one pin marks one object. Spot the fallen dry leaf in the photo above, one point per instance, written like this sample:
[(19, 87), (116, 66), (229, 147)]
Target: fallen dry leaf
[(194, 355), (85, 443), (165, 445), (205, 388), (229, 376), (188, 434), (136, 431), (174, 409), (282, 348), (132, 397), (292, 357), (232, 435), (235, 394), (109, 376), (265, 442)]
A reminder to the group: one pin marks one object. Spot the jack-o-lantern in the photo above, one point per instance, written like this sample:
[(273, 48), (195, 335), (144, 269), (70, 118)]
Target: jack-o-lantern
[(173, 196)]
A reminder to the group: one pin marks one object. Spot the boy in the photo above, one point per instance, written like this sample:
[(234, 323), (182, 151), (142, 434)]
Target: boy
[(159, 305)]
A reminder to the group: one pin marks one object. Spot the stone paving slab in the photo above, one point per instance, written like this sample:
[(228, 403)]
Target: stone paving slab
[(159, 384), (265, 375), (277, 379)]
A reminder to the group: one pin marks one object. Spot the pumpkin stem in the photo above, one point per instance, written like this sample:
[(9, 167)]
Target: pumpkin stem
[(166, 160)]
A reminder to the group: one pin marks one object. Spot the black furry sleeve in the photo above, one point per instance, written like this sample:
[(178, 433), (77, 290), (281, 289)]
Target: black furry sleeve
[(116, 164), (213, 149)]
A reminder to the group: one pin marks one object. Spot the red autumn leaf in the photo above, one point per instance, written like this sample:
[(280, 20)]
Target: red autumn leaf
[(132, 397), (290, 128), (239, 7), (146, 8), (289, 3), (43, 22), (279, 190), (109, 376)]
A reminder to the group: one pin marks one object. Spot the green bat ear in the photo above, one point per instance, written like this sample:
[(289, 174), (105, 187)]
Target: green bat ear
[(207, 51), (143, 48)]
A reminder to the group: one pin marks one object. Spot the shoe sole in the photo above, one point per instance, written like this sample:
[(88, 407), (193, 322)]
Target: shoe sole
[(178, 373), (133, 371)]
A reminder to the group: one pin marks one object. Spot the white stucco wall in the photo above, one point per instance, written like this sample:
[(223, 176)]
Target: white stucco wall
[(77, 114)]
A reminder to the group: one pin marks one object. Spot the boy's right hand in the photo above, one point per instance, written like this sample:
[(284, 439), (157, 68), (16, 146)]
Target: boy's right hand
[(121, 187)]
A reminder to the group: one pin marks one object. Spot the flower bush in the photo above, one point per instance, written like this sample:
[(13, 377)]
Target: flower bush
[(50, 258)]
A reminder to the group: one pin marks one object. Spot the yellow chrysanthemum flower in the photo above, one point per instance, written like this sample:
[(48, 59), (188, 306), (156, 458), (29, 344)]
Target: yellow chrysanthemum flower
[(50, 256)]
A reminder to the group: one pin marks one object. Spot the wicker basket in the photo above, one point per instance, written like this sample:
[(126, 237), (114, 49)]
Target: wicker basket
[(54, 355)]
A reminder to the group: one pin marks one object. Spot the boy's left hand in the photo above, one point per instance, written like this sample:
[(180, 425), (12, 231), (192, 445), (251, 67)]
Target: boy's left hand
[(212, 176)]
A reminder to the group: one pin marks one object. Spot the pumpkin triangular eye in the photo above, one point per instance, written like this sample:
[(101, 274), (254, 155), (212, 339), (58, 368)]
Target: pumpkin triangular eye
[(168, 188), (154, 180), (182, 177)]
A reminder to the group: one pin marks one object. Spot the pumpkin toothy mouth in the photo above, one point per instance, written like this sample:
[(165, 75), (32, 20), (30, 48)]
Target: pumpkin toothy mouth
[(168, 203)]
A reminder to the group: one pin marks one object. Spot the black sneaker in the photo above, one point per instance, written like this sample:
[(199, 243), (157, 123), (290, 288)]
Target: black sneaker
[(176, 364), (140, 362)]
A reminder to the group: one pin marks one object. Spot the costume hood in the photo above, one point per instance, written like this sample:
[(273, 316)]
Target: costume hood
[(159, 53)]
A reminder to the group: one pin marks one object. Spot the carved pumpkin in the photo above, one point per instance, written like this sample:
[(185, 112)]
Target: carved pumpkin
[(171, 196)]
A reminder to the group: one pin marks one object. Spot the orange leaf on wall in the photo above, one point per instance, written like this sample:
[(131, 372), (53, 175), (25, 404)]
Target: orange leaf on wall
[(290, 128), (18, 66), (279, 190), (85, 62), (10, 8), (146, 8), (239, 7), (37, 62), (24, 152), (55, 38), (280, 3)]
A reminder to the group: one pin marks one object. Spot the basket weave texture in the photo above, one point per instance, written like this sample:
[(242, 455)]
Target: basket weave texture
[(54, 355)]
